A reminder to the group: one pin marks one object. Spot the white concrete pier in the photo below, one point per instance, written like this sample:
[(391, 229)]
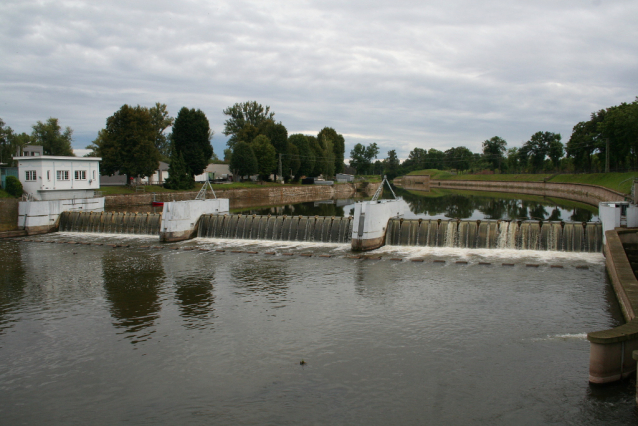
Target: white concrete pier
[(179, 218), (39, 217), (371, 222)]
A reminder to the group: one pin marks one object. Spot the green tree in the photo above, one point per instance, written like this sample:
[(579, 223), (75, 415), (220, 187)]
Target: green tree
[(243, 161), (458, 158), (13, 186), (306, 155), (11, 143), (319, 164), (493, 150), (539, 147), (294, 163), (161, 121), (52, 139), (361, 157), (128, 144), (278, 135), (338, 146), (178, 175), (620, 126), (266, 156), (191, 137), (391, 165), (242, 114)]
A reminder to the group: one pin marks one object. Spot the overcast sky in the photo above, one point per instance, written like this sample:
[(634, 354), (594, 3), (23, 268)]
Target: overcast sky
[(403, 74)]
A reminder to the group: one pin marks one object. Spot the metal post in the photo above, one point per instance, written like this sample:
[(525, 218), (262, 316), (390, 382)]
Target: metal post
[(280, 171)]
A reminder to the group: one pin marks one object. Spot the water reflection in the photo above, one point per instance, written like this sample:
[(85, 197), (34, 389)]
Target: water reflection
[(269, 279), (319, 208), (481, 205), (12, 282), (195, 300), (132, 284)]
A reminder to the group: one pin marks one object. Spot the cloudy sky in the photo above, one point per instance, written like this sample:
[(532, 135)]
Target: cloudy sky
[(403, 74)]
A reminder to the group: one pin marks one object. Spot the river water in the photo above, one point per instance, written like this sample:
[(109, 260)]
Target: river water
[(182, 333)]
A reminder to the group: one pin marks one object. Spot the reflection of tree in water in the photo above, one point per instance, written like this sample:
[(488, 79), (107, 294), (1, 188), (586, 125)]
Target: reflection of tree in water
[(301, 209), (459, 206), (132, 282), (269, 279), (12, 281), (581, 215), (196, 300)]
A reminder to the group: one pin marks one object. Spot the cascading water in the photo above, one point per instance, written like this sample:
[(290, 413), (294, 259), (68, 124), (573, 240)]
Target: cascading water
[(111, 222), (491, 234), (276, 228)]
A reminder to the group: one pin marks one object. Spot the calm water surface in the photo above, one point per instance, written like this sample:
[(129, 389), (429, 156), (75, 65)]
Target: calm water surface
[(101, 335)]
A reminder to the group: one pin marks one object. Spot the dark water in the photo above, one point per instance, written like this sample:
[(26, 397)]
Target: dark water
[(452, 204), (141, 335)]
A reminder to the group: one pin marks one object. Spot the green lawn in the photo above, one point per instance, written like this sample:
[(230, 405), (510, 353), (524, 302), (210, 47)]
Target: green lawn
[(617, 181), (4, 194)]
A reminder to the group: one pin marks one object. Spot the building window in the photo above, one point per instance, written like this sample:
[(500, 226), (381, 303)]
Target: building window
[(80, 175), (31, 175), (63, 175)]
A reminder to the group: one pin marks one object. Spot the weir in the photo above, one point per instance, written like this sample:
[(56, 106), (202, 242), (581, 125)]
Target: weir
[(111, 222), (276, 228), (493, 234)]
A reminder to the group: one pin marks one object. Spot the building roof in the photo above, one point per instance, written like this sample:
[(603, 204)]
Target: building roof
[(55, 157)]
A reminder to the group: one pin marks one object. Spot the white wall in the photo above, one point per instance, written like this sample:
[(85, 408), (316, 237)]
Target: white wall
[(375, 217), (44, 214), (46, 169)]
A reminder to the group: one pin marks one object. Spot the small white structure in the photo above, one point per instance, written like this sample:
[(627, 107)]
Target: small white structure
[(39, 217), (617, 214), (56, 178), (343, 178), (180, 217), (213, 172)]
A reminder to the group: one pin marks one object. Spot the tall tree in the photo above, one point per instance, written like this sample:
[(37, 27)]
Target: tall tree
[(178, 176), (266, 156), (338, 146), (52, 139), (391, 165), (458, 158), (243, 162), (11, 143), (128, 144), (161, 121), (242, 114), (306, 155), (538, 148), (191, 137), (361, 157), (493, 150), (294, 163)]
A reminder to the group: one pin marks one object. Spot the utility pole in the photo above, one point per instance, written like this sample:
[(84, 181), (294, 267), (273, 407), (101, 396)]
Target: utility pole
[(280, 171), (607, 156)]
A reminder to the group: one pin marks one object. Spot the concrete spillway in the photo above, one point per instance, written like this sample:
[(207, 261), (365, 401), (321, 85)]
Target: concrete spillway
[(111, 222), (492, 234), (276, 228)]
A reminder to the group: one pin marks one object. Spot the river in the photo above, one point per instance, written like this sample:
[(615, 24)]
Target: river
[(186, 333)]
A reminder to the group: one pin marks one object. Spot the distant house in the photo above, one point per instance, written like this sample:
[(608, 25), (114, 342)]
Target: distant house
[(46, 177), (158, 178), (214, 172)]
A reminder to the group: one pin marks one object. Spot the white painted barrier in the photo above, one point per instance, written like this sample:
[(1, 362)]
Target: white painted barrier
[(37, 217), (617, 214), (179, 218), (371, 221)]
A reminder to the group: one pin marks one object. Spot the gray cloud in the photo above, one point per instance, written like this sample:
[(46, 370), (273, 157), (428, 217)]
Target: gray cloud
[(401, 73)]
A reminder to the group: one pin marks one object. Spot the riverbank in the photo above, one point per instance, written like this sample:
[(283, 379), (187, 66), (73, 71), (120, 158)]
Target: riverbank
[(239, 197)]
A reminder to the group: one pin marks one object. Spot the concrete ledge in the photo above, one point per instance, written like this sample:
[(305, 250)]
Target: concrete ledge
[(590, 194), (13, 234), (610, 356)]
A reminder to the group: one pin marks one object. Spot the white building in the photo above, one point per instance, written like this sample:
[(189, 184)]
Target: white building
[(214, 172), (57, 178)]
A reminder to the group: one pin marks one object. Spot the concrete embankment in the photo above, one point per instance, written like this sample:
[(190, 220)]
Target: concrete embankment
[(246, 197), (589, 194), (611, 350), (239, 197)]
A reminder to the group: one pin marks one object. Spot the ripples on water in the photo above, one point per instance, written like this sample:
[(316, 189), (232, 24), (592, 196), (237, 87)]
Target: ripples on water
[(138, 334)]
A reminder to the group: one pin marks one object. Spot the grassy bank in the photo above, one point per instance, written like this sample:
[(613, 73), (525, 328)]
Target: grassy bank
[(617, 181), (4, 194), (117, 190)]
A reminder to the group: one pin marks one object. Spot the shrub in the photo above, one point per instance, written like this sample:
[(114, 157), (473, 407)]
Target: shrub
[(13, 186)]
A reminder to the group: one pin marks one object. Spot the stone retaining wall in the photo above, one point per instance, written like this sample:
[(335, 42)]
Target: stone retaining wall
[(589, 194), (245, 197)]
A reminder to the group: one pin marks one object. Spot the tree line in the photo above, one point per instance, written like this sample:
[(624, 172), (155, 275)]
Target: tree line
[(612, 131), (54, 140), (258, 144)]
